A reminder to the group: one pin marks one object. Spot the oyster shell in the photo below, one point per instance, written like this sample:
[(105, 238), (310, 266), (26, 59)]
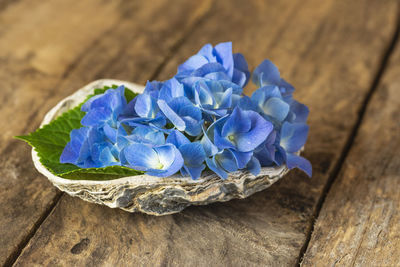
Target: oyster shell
[(148, 194)]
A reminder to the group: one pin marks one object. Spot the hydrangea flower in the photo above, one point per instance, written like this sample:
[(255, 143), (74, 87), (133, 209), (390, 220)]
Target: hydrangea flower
[(268, 74), (182, 114), (103, 111), (198, 118), (269, 102), (231, 140), (89, 148), (193, 154), (216, 98), (143, 109), (218, 63), (155, 160)]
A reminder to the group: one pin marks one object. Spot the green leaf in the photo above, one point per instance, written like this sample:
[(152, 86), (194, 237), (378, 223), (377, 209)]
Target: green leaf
[(107, 173), (50, 140)]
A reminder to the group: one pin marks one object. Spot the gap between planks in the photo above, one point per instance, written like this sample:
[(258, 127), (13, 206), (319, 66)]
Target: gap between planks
[(343, 155), (172, 51), (15, 254)]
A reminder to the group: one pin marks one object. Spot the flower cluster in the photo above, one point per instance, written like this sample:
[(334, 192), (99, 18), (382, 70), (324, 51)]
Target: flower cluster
[(200, 118)]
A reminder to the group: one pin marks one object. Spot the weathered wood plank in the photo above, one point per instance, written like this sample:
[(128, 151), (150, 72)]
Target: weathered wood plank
[(331, 51), (359, 223), (47, 50)]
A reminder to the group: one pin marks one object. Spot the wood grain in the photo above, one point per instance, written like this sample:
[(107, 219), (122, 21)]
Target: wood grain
[(331, 51), (359, 221), (48, 49)]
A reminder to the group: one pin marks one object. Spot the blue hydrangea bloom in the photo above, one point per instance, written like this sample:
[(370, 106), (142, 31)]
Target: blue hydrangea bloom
[(230, 141), (193, 154), (216, 98), (293, 138), (270, 103), (157, 160), (143, 109), (268, 74), (89, 148), (290, 140), (243, 130), (198, 118), (217, 63), (182, 114), (140, 134), (103, 111)]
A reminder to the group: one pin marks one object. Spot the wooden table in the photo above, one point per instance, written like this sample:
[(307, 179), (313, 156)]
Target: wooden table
[(342, 56)]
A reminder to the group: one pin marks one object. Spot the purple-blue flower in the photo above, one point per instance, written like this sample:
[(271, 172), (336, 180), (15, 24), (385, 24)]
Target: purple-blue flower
[(103, 111), (155, 160), (90, 148), (268, 74), (230, 141), (143, 109), (269, 102), (198, 118), (183, 114), (282, 148), (243, 130), (193, 154), (216, 98), (216, 63)]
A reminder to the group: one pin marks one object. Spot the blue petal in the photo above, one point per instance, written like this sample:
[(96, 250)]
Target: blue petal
[(110, 133), (152, 88), (286, 88), (177, 138), (300, 110), (209, 68), (194, 172), (171, 115), (226, 99), (72, 150), (241, 72), (294, 161), (266, 73), (146, 134), (96, 117), (145, 106), (224, 55), (276, 108), (207, 52), (260, 129), (293, 136), (170, 90), (166, 153), (212, 165), (226, 160), (254, 166), (217, 76), (280, 156), (141, 157), (193, 154), (237, 122), (193, 127), (194, 62), (107, 159), (264, 93), (237, 90), (245, 103), (242, 158), (208, 145)]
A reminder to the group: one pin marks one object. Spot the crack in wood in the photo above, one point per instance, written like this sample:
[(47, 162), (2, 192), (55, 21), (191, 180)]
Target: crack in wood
[(343, 155)]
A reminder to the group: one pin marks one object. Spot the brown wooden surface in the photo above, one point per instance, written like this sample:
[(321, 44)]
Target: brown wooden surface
[(330, 50), (359, 223), (48, 49)]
